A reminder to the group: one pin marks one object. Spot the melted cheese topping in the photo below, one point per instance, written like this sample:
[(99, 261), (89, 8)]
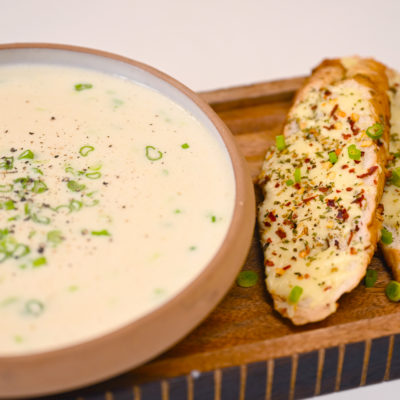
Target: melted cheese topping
[(391, 193), (314, 228), (112, 200)]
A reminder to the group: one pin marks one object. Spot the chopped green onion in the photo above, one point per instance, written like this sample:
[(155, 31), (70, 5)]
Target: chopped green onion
[(54, 237), (38, 262), (395, 177), (26, 154), (213, 218), (332, 157), (295, 294), (34, 307), (153, 154), (75, 186), (103, 232), (371, 277), (39, 187), (375, 131), (289, 182), (85, 150), (40, 220), (74, 205), (7, 163), (9, 205), (185, 146), (93, 175), (83, 86), (37, 170), (393, 291), (354, 153), (247, 279), (297, 175), (386, 237), (280, 142)]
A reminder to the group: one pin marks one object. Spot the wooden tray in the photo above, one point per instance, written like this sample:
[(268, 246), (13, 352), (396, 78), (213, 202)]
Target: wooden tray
[(244, 349)]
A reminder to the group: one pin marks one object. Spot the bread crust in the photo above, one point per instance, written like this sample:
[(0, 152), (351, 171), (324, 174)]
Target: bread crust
[(370, 74)]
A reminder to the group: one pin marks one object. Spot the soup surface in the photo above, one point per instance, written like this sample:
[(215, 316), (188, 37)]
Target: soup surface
[(112, 199)]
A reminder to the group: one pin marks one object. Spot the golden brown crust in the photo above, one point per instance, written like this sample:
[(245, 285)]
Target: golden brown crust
[(371, 74), (392, 257)]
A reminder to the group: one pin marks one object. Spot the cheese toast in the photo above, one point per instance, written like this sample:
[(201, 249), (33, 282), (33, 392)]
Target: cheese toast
[(322, 183)]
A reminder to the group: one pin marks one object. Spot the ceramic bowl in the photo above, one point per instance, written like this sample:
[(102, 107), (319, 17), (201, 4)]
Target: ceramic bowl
[(106, 356)]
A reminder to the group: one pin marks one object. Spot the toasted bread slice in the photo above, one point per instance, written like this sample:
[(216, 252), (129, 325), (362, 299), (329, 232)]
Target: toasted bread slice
[(322, 187), (391, 193)]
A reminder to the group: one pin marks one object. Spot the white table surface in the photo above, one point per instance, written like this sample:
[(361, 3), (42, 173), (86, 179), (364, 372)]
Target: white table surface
[(211, 44)]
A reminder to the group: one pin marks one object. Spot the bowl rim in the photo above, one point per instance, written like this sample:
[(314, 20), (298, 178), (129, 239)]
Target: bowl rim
[(182, 312)]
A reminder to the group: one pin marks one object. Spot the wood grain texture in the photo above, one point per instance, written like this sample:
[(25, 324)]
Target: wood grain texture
[(244, 329)]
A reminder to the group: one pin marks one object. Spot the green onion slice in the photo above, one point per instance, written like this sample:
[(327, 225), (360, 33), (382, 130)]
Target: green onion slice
[(7, 163), (75, 186), (280, 142), (185, 146), (395, 177), (295, 294), (332, 157), (26, 154), (386, 236), (297, 175), (93, 175), (103, 232), (153, 154), (354, 153), (289, 182), (54, 237), (34, 307), (247, 279), (39, 262), (39, 187), (85, 150), (393, 291), (371, 277), (375, 131), (83, 86)]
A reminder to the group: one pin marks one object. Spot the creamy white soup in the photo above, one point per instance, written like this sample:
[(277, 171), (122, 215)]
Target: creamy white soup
[(112, 199)]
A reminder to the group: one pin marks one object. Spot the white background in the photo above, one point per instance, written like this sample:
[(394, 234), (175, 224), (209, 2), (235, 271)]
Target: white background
[(209, 44)]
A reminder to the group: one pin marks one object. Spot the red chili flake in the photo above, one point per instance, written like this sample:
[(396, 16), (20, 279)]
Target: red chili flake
[(332, 114), (327, 288), (352, 170), (267, 224), (323, 189), (357, 228), (370, 171), (330, 127), (314, 107), (297, 186), (288, 203), (375, 181), (349, 189), (330, 203), (353, 128), (358, 200), (346, 136), (277, 185), (338, 191), (271, 216), (345, 166), (327, 92), (281, 233), (274, 253), (342, 214), (268, 263), (309, 199), (287, 267), (357, 161), (353, 251), (350, 237), (306, 276), (307, 160), (337, 244)]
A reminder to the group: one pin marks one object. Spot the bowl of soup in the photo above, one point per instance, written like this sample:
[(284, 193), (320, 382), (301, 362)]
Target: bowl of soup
[(126, 213)]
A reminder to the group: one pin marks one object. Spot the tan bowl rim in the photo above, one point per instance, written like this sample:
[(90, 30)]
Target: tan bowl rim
[(14, 369)]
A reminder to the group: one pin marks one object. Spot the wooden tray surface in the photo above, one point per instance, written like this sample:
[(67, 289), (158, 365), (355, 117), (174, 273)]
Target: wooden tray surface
[(244, 349)]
